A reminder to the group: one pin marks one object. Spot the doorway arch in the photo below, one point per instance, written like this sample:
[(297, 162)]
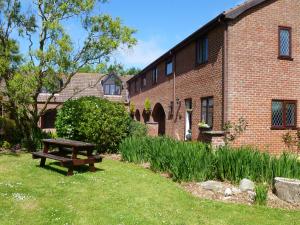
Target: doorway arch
[(137, 115), (159, 116)]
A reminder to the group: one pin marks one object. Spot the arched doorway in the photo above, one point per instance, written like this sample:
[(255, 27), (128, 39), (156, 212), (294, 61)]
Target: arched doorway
[(137, 115), (146, 116), (159, 116)]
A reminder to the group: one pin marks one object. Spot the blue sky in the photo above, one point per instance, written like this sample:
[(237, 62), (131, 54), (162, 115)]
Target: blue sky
[(160, 24)]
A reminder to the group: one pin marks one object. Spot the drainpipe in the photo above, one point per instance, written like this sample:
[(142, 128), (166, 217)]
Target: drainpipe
[(174, 95), (225, 76)]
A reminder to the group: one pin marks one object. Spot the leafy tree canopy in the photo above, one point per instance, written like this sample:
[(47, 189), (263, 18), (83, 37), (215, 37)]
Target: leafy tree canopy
[(51, 55)]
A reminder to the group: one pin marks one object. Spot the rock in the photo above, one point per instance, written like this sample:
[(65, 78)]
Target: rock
[(251, 195), (287, 189), (246, 185), (236, 191), (228, 192), (214, 186)]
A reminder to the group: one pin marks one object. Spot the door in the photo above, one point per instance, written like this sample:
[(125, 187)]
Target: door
[(188, 120)]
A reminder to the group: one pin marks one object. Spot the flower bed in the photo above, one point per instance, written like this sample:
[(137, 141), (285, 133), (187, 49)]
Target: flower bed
[(198, 162)]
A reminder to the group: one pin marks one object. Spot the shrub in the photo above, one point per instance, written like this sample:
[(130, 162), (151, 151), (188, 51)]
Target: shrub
[(95, 120), (137, 129), (261, 194), (6, 145), (9, 131), (190, 161), (147, 105)]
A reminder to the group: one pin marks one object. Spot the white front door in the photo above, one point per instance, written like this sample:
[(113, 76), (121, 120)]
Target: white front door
[(188, 118)]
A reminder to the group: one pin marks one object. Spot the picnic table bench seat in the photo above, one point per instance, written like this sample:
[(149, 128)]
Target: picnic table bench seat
[(67, 154)]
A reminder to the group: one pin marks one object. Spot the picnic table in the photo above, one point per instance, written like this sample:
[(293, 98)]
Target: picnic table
[(67, 152)]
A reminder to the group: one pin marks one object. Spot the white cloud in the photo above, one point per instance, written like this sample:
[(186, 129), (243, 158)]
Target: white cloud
[(142, 54)]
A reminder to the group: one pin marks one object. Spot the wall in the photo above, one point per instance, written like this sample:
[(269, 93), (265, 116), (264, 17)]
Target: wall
[(256, 75)]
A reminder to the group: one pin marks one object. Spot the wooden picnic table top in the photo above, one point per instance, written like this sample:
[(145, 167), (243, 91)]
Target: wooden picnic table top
[(68, 143)]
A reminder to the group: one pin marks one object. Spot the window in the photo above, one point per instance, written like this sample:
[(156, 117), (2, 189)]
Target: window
[(207, 110), (136, 85), (143, 81), (202, 51), (284, 114), (154, 75), (285, 43), (169, 67), (112, 89)]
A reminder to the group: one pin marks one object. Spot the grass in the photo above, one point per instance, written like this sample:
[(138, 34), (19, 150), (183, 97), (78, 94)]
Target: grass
[(118, 193)]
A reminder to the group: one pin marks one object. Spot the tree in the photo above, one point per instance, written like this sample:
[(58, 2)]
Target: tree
[(117, 68), (51, 55)]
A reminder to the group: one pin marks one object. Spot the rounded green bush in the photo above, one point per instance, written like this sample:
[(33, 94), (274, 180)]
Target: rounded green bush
[(95, 120), (9, 131)]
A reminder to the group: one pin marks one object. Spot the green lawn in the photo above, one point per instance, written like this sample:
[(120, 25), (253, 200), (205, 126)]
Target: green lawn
[(119, 193)]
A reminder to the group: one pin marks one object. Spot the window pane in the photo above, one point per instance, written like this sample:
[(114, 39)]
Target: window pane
[(202, 50), (206, 49), (203, 114), (112, 89), (290, 114), (210, 117), (154, 75), (169, 68), (106, 89), (284, 42), (118, 90), (277, 113)]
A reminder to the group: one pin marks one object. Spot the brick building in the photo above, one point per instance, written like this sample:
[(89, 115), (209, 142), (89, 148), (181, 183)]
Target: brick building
[(111, 87), (243, 63)]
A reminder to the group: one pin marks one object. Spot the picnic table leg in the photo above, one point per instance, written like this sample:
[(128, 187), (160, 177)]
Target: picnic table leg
[(74, 156), (43, 160), (91, 165)]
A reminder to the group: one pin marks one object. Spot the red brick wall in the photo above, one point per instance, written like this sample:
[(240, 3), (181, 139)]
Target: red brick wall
[(256, 76), (192, 82)]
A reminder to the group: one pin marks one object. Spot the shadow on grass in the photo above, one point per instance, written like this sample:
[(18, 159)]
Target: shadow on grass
[(56, 167), (10, 153)]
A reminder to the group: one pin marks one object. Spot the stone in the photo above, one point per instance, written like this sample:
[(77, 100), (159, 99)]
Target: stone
[(287, 189), (228, 192), (236, 191), (251, 195), (246, 185), (212, 185)]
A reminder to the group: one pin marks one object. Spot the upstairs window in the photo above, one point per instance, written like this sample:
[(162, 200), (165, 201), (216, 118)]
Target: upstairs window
[(112, 89), (202, 51), (169, 67), (285, 43), (284, 114), (144, 81), (154, 75), (136, 85), (207, 110)]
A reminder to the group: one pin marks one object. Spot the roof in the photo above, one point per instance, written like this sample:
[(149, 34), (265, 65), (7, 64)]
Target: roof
[(86, 84), (240, 9), (230, 14)]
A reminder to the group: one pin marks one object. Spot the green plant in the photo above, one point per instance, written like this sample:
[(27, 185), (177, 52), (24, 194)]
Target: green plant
[(132, 108), (94, 120), (9, 131), (261, 194), (6, 145), (147, 105), (189, 161), (291, 141), (137, 129), (234, 130)]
